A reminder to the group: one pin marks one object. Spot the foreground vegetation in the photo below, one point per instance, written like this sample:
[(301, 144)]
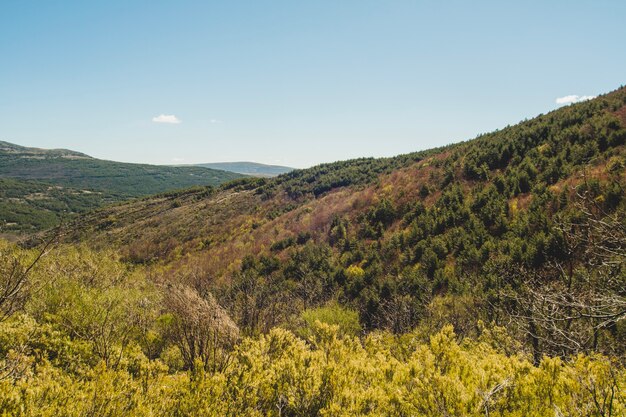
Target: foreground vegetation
[(85, 334)]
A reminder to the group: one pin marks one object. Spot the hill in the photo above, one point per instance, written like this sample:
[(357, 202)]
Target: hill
[(40, 186), (27, 206), (253, 169), (76, 170), (484, 229)]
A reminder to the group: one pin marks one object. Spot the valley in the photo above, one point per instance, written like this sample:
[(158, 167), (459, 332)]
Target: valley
[(492, 264)]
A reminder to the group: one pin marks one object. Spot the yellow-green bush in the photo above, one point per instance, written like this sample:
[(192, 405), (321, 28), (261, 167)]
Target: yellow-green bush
[(91, 342), (279, 374)]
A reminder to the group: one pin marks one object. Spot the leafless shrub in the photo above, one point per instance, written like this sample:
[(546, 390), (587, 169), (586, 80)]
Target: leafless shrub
[(200, 328), (571, 304), (15, 286)]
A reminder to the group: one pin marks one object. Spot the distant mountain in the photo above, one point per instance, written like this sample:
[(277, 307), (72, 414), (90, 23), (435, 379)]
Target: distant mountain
[(38, 185), (249, 168)]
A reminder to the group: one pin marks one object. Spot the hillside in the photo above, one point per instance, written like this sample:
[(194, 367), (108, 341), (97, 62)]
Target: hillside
[(253, 169), (27, 205), (72, 169), (477, 230), (40, 186)]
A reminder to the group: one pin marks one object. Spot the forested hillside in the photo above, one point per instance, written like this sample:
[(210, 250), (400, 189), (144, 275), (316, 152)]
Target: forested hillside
[(39, 187), (479, 230), (27, 205), (484, 278)]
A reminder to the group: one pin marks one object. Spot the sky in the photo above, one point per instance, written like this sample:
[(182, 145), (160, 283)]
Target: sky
[(295, 83)]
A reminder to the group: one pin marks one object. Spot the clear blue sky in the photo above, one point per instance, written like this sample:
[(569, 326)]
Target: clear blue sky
[(292, 82)]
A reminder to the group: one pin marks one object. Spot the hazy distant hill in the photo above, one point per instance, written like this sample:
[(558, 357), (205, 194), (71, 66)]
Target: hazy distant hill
[(37, 186), (249, 168)]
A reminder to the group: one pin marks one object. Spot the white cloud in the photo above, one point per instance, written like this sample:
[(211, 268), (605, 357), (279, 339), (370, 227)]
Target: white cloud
[(213, 121), (178, 160), (166, 118), (573, 98)]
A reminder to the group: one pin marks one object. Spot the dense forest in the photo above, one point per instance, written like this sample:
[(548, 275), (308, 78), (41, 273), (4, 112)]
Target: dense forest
[(483, 278)]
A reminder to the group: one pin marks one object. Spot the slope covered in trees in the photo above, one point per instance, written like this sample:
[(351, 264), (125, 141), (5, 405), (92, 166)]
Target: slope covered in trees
[(478, 230), (484, 278), (38, 187), (27, 206)]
